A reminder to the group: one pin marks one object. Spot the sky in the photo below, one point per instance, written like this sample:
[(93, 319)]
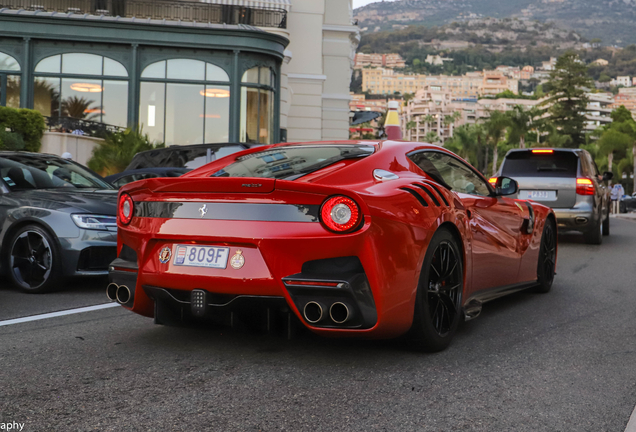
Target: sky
[(358, 3)]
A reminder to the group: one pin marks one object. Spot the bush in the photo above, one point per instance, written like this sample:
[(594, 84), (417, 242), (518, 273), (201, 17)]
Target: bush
[(11, 141), (117, 151), (28, 124)]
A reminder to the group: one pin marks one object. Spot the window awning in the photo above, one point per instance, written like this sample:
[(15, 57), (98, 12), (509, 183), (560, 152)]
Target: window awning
[(276, 4)]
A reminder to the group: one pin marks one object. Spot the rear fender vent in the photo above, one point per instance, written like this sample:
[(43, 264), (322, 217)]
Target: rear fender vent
[(416, 195), (437, 190)]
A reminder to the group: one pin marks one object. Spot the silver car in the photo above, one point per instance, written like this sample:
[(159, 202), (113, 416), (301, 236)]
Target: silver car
[(566, 180)]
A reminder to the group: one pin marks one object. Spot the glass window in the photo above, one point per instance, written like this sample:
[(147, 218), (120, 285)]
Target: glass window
[(184, 69), (529, 164), (46, 96), (113, 68), (265, 77), (115, 103), (215, 73), (151, 110), (90, 98), (81, 99), (82, 64), (51, 64), (184, 114), (250, 76), (13, 91), (8, 63), (217, 114), (451, 172), (249, 115), (155, 70)]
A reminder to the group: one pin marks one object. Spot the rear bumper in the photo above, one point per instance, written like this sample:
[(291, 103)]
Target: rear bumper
[(581, 219), (286, 268)]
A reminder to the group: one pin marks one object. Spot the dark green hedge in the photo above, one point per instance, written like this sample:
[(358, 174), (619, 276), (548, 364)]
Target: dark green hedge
[(28, 124)]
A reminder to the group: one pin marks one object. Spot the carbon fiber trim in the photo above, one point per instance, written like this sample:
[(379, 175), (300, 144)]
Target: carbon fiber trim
[(228, 211)]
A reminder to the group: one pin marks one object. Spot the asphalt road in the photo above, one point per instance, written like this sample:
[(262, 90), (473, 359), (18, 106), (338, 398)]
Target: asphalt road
[(564, 361)]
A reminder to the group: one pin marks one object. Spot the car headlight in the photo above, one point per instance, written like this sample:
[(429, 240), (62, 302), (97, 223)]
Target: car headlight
[(95, 222)]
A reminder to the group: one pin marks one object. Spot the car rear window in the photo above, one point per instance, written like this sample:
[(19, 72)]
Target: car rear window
[(292, 162), (528, 164)]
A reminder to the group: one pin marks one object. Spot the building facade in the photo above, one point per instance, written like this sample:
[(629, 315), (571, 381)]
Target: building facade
[(180, 82)]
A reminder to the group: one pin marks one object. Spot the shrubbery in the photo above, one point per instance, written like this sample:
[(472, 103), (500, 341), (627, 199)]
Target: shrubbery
[(21, 129), (117, 151)]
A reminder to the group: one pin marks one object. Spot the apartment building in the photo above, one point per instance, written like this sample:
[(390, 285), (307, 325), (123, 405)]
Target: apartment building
[(470, 86), (390, 61)]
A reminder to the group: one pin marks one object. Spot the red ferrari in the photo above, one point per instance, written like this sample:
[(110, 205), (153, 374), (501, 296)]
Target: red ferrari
[(354, 238)]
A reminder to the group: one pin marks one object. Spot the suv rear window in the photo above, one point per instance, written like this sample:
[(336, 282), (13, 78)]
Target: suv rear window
[(292, 162), (528, 164)]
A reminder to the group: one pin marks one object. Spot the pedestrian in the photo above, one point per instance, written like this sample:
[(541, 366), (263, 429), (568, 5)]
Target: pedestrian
[(67, 155), (616, 194)]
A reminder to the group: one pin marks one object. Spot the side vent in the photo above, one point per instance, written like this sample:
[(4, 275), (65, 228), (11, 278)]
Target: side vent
[(416, 195), (428, 192), (434, 186)]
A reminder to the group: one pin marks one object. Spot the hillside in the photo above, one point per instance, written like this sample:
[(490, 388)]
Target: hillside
[(612, 21)]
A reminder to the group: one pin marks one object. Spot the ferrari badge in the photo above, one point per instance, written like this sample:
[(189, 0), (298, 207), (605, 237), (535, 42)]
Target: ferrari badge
[(238, 260), (165, 254)]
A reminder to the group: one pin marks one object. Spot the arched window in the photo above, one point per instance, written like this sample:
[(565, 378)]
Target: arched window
[(9, 81), (184, 101), (82, 86), (257, 106)]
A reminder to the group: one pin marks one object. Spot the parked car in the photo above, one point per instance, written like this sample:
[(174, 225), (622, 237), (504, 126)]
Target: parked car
[(125, 177), (628, 203), (172, 161), (568, 181), (369, 239), (57, 219)]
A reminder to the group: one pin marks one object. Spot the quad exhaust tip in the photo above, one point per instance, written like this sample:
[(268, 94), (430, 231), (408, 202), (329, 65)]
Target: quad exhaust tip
[(339, 313), (111, 291), (313, 312), (123, 294)]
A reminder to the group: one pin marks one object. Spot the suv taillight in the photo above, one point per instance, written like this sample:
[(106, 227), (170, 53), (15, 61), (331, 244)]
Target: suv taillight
[(584, 186)]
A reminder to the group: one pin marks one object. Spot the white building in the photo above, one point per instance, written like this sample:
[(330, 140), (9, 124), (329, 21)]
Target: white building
[(317, 73)]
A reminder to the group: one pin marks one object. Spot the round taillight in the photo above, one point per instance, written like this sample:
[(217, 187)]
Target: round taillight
[(340, 214), (126, 208)]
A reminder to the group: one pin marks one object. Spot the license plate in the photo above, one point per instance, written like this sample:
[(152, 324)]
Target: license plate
[(201, 256), (538, 195)]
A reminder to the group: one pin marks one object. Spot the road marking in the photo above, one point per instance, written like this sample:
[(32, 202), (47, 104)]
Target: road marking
[(631, 425), (57, 314)]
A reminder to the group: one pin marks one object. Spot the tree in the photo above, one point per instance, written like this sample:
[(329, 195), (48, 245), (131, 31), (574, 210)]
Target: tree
[(566, 102), (431, 137), (495, 127), (410, 125), (79, 108), (521, 121)]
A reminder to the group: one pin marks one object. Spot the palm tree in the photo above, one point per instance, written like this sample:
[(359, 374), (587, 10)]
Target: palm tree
[(614, 142), (116, 152), (428, 119), (80, 108), (410, 125), (521, 122), (431, 137), (495, 127)]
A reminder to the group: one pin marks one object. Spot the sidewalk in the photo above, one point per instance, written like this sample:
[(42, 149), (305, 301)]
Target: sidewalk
[(629, 216)]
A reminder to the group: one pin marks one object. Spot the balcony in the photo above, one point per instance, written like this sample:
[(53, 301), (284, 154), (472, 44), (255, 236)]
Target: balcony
[(158, 10)]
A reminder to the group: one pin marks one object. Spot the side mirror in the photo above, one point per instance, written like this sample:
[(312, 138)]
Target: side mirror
[(608, 175), (505, 186)]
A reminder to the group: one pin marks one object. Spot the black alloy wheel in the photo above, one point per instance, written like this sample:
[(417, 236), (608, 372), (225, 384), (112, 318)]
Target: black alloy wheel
[(438, 304), (32, 260), (547, 257)]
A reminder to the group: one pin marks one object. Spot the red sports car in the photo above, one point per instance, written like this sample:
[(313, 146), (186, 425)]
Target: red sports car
[(354, 238)]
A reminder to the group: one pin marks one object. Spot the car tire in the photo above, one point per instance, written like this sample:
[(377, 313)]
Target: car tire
[(606, 224), (546, 264), (595, 236), (33, 260), (438, 303)]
